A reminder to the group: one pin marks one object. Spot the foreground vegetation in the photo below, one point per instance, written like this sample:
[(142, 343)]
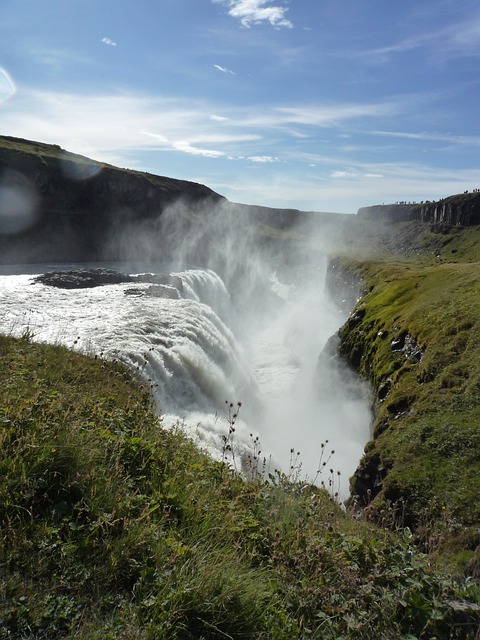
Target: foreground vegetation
[(113, 527)]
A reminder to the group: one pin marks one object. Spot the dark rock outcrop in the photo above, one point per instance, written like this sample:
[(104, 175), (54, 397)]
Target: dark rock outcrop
[(81, 278), (408, 346), (60, 207), (88, 278)]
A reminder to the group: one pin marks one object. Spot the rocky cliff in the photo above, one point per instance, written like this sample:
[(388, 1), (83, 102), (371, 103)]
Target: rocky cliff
[(457, 210), (58, 206)]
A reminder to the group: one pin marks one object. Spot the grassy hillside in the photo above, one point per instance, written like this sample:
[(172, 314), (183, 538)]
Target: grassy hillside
[(415, 336), (113, 527)]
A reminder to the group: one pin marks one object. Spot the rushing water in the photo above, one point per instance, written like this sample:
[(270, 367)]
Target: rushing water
[(199, 351)]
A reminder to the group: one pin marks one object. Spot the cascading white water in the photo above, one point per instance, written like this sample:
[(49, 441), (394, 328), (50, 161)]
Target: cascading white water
[(197, 356)]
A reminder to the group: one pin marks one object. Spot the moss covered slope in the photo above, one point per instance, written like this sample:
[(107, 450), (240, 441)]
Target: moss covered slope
[(416, 336)]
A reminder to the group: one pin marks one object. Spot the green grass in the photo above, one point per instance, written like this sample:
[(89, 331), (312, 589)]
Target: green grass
[(114, 527), (422, 463)]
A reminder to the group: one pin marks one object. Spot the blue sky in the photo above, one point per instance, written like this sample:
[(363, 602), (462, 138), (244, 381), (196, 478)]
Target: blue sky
[(324, 105)]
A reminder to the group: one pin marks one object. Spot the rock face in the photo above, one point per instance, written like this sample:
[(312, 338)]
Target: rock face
[(60, 207), (458, 210)]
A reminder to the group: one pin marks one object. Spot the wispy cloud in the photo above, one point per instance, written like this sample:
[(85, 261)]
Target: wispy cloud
[(110, 128), (109, 42), (223, 69), (57, 59), (251, 12), (460, 39), (354, 174), (431, 137), (111, 123), (186, 147), (318, 115), (358, 185), (121, 128)]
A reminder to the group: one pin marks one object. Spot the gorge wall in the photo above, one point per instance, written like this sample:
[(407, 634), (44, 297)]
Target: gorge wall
[(457, 210)]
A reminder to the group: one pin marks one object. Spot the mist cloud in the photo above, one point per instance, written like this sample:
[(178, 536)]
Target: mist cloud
[(281, 318)]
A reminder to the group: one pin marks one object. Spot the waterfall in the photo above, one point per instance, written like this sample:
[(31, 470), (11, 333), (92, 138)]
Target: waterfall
[(198, 350)]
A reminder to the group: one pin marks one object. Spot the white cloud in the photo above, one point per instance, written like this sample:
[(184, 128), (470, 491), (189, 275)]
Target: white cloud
[(263, 159), (109, 42), (255, 12), (344, 174), (354, 174), (187, 147), (223, 69), (400, 181), (110, 127)]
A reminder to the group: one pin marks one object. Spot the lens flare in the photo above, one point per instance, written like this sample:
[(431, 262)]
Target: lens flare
[(7, 86), (18, 203), (80, 170)]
